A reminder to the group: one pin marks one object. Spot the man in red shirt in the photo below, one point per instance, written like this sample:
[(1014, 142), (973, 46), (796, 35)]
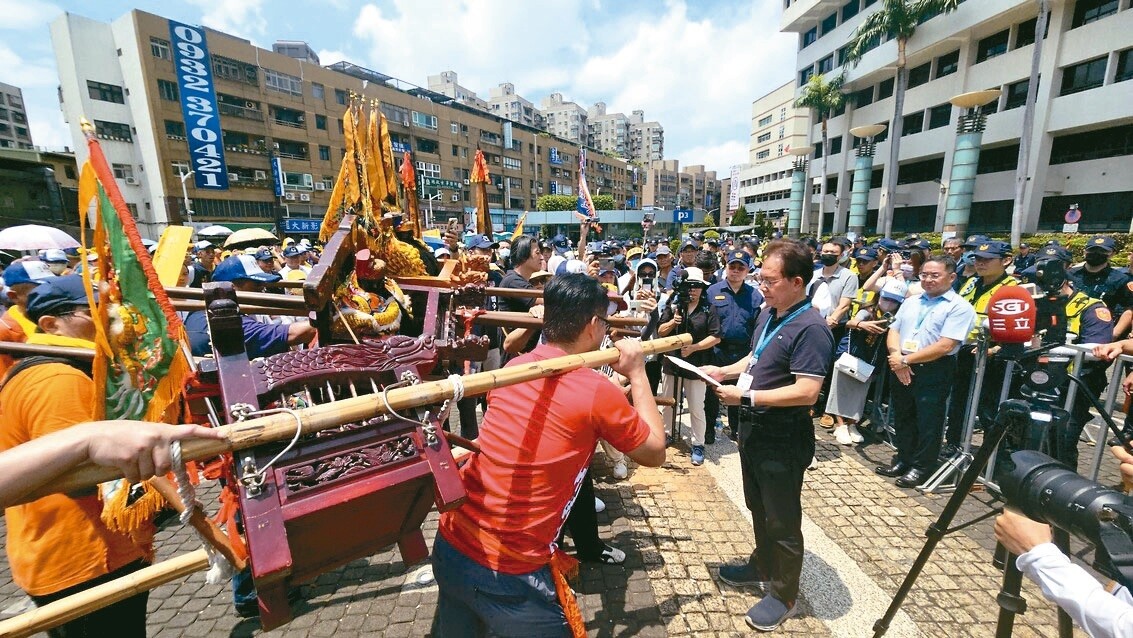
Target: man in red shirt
[(495, 558)]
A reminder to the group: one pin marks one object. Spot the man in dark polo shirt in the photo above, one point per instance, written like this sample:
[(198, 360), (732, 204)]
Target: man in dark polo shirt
[(777, 383), (737, 304)]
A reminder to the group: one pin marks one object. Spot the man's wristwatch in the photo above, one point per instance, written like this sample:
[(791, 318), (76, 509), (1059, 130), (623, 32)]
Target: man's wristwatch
[(746, 399), (905, 361)]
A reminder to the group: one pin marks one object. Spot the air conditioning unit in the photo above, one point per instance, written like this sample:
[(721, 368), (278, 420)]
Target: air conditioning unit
[(132, 181), (456, 198), (289, 196), (466, 182), (319, 186), (251, 105), (261, 176), (304, 197), (234, 177)]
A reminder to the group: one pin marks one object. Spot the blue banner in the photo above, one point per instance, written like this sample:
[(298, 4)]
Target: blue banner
[(277, 176), (199, 106), (295, 225)]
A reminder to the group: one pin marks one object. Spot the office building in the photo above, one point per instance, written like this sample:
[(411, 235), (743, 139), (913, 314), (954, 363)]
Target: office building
[(764, 183), (287, 111), (14, 131), (1081, 149)]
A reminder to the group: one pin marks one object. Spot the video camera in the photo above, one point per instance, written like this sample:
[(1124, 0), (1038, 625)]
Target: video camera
[(682, 293)]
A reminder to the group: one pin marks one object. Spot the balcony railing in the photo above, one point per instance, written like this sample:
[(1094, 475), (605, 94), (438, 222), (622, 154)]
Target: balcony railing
[(240, 111), (288, 123), (298, 156)]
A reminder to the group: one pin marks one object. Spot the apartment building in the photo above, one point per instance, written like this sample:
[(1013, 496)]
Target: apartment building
[(447, 83), (764, 183), (1082, 144), (608, 132), (14, 131), (646, 139), (505, 103), (668, 186), (564, 119), (284, 114)]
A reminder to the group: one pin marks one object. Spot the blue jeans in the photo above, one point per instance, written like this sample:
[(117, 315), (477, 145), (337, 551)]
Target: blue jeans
[(477, 601)]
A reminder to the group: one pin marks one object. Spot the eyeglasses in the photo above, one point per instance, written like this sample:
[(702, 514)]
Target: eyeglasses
[(931, 276), (605, 322), (767, 281), (80, 311)]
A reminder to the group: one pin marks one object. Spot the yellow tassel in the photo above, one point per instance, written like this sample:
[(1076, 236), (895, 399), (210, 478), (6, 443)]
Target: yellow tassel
[(124, 517)]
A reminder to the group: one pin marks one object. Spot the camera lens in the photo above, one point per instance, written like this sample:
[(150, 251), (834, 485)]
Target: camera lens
[(1048, 491)]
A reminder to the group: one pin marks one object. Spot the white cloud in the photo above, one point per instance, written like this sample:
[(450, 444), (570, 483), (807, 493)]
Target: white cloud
[(21, 15), (241, 18)]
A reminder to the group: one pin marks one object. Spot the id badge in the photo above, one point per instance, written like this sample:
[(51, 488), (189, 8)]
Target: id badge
[(910, 346), (745, 382)]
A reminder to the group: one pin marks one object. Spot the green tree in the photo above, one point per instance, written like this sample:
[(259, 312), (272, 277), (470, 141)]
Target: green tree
[(709, 221), (763, 228), (604, 202), (556, 202), (822, 97), (741, 218), (896, 20)]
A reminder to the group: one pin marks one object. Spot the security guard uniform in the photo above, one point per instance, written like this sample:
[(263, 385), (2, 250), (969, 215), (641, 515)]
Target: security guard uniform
[(1091, 321)]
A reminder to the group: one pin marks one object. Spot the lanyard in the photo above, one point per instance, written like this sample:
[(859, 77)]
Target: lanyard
[(926, 308), (765, 338)]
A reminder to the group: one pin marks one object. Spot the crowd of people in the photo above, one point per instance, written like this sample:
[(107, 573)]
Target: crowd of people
[(781, 333)]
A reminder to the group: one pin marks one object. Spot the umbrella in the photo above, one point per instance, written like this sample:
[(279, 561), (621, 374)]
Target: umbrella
[(35, 237), (215, 231), (247, 237)]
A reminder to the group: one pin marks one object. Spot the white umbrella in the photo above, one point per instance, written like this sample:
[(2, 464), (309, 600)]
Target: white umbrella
[(246, 237), (35, 237), (215, 231)]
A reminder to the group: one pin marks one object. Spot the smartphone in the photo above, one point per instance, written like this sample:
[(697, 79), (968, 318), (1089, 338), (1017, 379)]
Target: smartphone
[(647, 283), (605, 264)]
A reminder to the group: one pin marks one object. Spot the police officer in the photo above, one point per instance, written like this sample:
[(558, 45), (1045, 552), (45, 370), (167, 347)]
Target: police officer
[(737, 305), (991, 258), (1088, 320), (1025, 259), (923, 340), (1100, 280), (780, 380)]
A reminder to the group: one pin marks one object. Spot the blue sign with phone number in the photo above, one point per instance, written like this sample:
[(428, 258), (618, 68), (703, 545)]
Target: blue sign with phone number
[(199, 106)]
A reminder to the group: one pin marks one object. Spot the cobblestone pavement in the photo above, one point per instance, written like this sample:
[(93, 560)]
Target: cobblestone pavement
[(677, 524)]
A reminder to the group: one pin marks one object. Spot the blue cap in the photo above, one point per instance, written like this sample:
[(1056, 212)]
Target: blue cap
[(740, 256), (481, 241), (54, 256), (239, 267), (1055, 252), (992, 249), (57, 296), (976, 240), (917, 243), (264, 254), (204, 244), (294, 250), (1101, 242), (72, 251), (890, 245), (688, 244), (26, 272), (865, 254)]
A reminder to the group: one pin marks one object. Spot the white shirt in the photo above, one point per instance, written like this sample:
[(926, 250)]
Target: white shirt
[(1101, 614)]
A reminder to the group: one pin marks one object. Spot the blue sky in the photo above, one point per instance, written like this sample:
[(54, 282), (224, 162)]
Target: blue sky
[(695, 66)]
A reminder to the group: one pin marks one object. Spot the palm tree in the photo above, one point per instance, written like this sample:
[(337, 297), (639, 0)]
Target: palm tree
[(823, 98), (896, 20)]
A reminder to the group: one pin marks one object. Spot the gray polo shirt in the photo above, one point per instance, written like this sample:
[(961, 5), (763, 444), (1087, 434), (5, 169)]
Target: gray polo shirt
[(843, 284)]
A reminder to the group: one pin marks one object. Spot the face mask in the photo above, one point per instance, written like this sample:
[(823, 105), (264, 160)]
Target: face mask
[(845, 259), (619, 259), (1096, 258), (504, 253), (907, 270), (57, 269), (633, 263), (828, 260)]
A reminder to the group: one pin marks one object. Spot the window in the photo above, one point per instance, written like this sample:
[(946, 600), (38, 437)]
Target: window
[(174, 129), (780, 151), (282, 82), (321, 122), (122, 171), (113, 131), (920, 75), (105, 92), (234, 70), (512, 163), (826, 64), (324, 153), (995, 160), (1087, 11), (395, 114), (160, 48), (1025, 32), (427, 146), (69, 171), (809, 37), (836, 145), (829, 23), (1016, 95), (947, 64), (849, 10), (318, 91), (939, 116), (885, 89), (424, 120), (1083, 77), (863, 97), (1110, 142), (912, 124), (455, 150), (427, 169), (764, 121), (804, 75), (341, 126), (765, 137), (167, 90), (992, 46), (1124, 66), (340, 96)]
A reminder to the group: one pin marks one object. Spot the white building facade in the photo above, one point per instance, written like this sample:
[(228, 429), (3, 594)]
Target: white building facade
[(764, 183), (1082, 144)]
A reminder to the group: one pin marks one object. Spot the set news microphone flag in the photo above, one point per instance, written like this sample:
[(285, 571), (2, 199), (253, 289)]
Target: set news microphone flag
[(1011, 315)]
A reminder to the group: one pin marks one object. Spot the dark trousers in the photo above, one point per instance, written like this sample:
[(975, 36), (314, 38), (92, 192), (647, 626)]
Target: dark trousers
[(582, 522), (961, 387), (918, 410), (775, 451), (1065, 447), (125, 618)]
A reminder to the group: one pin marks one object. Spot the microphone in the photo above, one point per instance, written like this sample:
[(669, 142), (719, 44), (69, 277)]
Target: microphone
[(1011, 315)]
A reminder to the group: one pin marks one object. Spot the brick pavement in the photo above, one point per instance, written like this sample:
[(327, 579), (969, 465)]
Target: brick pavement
[(677, 524)]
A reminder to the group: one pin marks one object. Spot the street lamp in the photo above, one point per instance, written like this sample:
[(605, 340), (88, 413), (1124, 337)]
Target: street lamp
[(437, 195), (185, 196), (863, 175), (798, 190), (966, 159)]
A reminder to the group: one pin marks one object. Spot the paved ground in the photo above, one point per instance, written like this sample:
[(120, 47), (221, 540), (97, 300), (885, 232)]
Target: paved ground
[(677, 524)]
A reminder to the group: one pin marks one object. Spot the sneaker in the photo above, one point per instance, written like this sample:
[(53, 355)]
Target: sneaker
[(842, 435), (719, 425), (813, 463), (697, 454), (610, 556), (769, 613), (855, 435), (620, 470), (826, 421), (599, 506), (743, 575)]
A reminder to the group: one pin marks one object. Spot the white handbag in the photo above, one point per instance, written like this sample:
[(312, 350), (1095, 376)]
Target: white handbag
[(853, 366)]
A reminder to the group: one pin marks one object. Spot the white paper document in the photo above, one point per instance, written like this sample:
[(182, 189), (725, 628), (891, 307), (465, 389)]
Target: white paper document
[(685, 365)]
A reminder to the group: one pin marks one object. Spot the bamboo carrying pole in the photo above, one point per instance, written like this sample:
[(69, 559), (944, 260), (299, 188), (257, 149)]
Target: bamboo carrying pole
[(281, 427), (84, 602)]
